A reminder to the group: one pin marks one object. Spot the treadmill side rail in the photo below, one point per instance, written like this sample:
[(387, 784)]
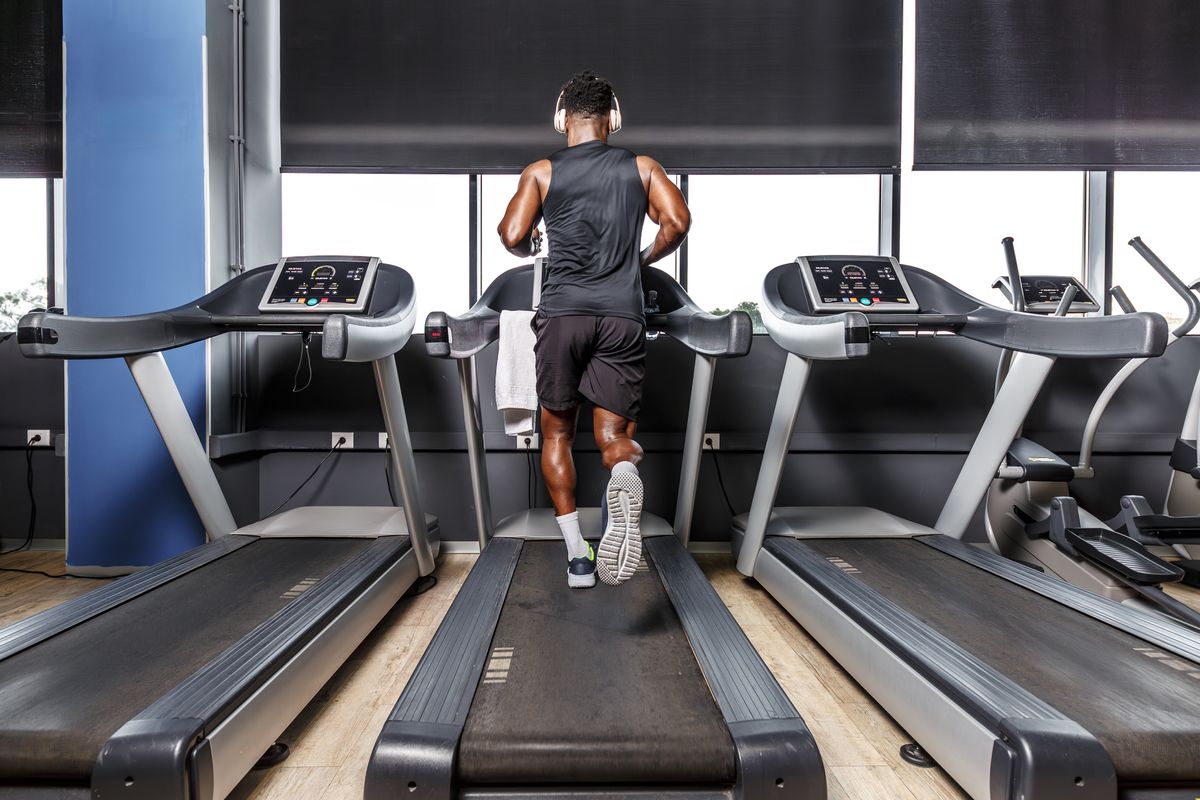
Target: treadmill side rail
[(1020, 768), (40, 627), (1007, 724), (774, 748), (418, 744), (168, 750)]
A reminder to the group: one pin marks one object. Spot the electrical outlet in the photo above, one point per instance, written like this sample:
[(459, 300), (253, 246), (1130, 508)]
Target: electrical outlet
[(44, 439), (528, 442), (712, 441), (347, 445), (383, 440)]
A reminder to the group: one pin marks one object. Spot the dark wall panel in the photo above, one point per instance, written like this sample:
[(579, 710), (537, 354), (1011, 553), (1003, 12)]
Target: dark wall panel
[(708, 85), (892, 430), (1070, 83), (32, 398)]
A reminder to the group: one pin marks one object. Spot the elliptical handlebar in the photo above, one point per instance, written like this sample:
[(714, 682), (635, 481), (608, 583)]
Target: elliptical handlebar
[(1118, 294), (1064, 305), (1172, 280), (1017, 295)]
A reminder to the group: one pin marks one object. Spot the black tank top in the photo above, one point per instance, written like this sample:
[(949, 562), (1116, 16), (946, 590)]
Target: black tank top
[(594, 211)]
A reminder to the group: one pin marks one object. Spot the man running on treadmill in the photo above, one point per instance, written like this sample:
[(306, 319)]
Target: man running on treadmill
[(590, 324)]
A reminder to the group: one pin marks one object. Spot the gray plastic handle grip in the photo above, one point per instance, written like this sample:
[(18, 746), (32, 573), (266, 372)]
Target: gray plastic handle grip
[(348, 338)]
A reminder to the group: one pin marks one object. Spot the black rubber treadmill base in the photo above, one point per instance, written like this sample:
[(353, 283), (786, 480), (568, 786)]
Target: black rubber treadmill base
[(592, 686), (1142, 705), (61, 699)]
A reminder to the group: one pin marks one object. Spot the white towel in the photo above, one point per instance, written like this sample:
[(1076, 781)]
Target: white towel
[(516, 378)]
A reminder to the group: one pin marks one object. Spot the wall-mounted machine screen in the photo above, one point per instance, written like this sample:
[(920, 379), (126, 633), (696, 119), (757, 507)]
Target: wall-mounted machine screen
[(704, 85), (1043, 293), (329, 284), (862, 283)]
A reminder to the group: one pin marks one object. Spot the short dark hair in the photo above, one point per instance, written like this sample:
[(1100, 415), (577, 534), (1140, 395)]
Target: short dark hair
[(587, 95)]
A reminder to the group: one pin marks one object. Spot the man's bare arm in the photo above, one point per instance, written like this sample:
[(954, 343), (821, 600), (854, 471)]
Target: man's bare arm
[(524, 211), (666, 208)]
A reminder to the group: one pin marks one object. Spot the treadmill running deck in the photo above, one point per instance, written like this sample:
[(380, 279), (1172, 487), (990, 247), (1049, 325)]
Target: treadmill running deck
[(591, 686), (62, 699), (1141, 704)]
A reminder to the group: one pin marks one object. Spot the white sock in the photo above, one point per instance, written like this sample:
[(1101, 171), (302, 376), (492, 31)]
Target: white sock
[(624, 466), (569, 525)]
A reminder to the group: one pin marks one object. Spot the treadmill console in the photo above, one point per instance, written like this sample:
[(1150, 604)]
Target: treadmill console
[(861, 283), (1044, 292), (321, 284)]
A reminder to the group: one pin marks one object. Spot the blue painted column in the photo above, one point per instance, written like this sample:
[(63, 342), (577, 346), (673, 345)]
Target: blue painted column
[(135, 242)]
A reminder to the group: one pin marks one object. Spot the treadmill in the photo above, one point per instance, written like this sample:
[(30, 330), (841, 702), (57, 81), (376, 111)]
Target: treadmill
[(532, 689), (172, 682), (1018, 684)]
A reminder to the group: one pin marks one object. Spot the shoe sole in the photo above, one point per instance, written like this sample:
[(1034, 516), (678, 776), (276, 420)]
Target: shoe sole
[(620, 549), (581, 581)]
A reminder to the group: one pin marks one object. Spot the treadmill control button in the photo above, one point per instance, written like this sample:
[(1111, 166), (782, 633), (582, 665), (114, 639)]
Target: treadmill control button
[(866, 301), (312, 301)]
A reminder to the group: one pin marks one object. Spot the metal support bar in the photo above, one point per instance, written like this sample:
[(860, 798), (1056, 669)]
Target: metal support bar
[(889, 215), (476, 454), (1098, 236), (474, 214), (693, 445), (391, 401), (783, 423), (1087, 444), (154, 381), (1026, 375), (682, 257), (50, 240)]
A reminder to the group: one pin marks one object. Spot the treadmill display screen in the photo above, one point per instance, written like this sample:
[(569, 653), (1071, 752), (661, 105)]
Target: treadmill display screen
[(1044, 292), (866, 283), (320, 285)]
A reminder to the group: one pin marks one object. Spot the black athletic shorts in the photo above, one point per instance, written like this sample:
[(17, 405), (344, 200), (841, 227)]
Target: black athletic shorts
[(602, 359)]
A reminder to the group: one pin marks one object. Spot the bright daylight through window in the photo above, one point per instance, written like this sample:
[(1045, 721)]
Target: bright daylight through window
[(951, 223), (22, 248), (418, 222), (1162, 208), (744, 225)]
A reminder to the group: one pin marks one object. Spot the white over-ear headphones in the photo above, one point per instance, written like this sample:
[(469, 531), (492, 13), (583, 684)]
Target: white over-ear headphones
[(614, 115)]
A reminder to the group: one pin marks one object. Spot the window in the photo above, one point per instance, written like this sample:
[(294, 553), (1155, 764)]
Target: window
[(22, 248), (1160, 207), (744, 225), (495, 192), (951, 223), (418, 222)]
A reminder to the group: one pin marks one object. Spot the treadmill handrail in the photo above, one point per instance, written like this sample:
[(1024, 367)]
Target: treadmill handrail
[(726, 335), (944, 306), (44, 334), (827, 337)]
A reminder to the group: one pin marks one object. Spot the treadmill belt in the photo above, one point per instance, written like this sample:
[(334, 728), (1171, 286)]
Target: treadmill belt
[(1141, 704), (60, 700), (591, 686)]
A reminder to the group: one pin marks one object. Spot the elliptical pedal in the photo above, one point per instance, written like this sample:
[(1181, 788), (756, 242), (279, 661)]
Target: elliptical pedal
[(1123, 556)]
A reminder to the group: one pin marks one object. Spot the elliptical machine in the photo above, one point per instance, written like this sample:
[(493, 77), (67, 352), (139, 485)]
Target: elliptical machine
[(1029, 513)]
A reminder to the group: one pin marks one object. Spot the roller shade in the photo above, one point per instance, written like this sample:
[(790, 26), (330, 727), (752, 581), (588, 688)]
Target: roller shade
[(705, 85), (1084, 84), (30, 88)]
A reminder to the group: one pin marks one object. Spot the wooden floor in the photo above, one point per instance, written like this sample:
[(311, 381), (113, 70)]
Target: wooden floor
[(332, 739)]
